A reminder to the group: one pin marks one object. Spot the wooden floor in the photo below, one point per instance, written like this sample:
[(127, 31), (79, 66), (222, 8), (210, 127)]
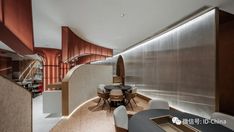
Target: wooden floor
[(91, 118)]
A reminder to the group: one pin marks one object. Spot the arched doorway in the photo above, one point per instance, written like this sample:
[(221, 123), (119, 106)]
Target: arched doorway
[(120, 70)]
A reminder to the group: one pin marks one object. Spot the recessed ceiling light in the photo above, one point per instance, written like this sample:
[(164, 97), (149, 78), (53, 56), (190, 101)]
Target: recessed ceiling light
[(122, 15)]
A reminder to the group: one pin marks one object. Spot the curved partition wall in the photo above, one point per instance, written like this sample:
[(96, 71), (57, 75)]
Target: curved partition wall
[(15, 107), (80, 84), (177, 66)]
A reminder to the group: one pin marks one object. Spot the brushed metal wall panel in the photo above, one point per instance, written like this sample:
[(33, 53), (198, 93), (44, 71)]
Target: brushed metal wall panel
[(178, 66)]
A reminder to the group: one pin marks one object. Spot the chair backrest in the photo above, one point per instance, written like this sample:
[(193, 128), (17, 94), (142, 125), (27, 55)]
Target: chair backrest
[(121, 117), (100, 88), (228, 118), (117, 79), (103, 95), (116, 92), (158, 104), (116, 84), (129, 96), (134, 90), (116, 95)]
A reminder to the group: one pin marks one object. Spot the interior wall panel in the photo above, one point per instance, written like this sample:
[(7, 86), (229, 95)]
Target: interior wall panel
[(177, 66), (53, 68), (74, 47), (65, 43), (18, 19), (225, 68), (16, 107)]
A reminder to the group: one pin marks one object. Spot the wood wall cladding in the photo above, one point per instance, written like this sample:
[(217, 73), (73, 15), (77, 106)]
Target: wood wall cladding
[(65, 32), (73, 47), (16, 26), (120, 70), (18, 18), (54, 69), (51, 65), (225, 65), (64, 68), (89, 58)]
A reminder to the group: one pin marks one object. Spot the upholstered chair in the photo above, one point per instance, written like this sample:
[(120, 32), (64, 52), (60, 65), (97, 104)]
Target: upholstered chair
[(130, 96), (228, 118), (121, 119), (158, 104)]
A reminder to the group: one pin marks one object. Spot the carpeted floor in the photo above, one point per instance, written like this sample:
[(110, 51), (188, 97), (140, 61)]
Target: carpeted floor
[(91, 118)]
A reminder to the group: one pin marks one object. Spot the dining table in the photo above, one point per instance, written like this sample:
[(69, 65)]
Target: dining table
[(124, 88), (142, 121)]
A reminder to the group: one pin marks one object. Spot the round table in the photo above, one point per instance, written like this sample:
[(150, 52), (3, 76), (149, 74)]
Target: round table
[(124, 88), (141, 122), (121, 87)]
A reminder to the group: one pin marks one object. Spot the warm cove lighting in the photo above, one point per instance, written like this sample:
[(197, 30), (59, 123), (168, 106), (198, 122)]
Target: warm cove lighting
[(77, 108), (164, 34)]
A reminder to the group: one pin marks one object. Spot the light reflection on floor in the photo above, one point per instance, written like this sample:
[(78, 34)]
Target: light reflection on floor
[(42, 122), (91, 118)]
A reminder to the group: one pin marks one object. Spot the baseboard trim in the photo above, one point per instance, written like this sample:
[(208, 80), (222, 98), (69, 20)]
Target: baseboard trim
[(143, 97)]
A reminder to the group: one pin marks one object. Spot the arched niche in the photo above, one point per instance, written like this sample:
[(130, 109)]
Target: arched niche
[(120, 70)]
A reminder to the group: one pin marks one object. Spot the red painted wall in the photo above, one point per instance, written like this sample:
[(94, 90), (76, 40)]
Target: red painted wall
[(73, 46), (53, 70), (65, 34), (90, 58), (64, 68), (18, 19), (16, 25)]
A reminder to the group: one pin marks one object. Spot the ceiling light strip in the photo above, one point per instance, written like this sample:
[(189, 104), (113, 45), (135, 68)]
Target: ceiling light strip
[(167, 30)]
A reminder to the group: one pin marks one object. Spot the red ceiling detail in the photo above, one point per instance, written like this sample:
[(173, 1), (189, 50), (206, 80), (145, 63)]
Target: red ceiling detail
[(53, 69), (16, 27), (73, 46)]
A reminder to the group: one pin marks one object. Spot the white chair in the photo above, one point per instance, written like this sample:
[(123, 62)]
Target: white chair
[(100, 90), (121, 119), (158, 104), (228, 118), (101, 87)]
